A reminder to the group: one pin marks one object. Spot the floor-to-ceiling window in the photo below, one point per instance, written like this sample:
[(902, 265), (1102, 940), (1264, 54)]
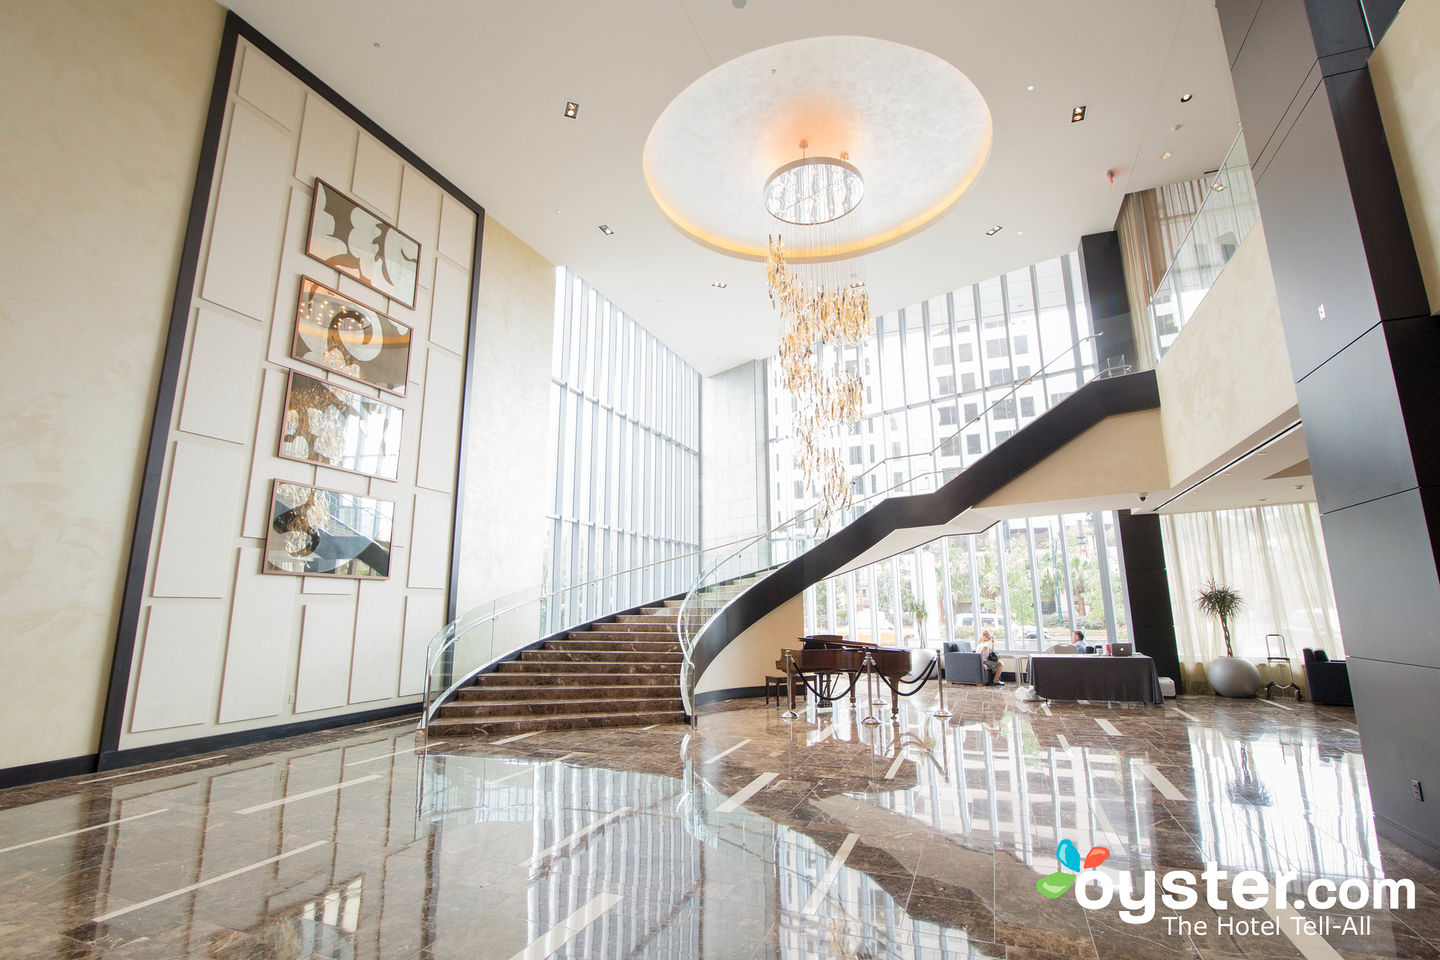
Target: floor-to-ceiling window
[(945, 381), (626, 430)]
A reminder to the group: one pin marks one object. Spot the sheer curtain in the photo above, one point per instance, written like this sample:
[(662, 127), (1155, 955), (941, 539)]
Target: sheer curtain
[(1275, 558)]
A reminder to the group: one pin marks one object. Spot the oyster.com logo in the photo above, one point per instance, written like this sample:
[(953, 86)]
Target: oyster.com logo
[(1055, 884), (1141, 893)]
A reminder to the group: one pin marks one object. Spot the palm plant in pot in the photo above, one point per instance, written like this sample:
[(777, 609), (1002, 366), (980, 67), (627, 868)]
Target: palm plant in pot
[(1229, 676)]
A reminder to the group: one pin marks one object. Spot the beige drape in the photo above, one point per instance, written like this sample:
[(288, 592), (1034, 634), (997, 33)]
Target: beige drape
[(1275, 558)]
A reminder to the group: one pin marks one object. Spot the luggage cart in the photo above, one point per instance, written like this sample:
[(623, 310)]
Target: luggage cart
[(1273, 661)]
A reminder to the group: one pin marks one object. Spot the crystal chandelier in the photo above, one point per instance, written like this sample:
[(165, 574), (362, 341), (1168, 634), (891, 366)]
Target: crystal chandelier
[(822, 305)]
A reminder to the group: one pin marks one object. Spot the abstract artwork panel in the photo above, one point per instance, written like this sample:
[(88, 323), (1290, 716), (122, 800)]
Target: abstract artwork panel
[(339, 428), (327, 533), (337, 333), (359, 243)]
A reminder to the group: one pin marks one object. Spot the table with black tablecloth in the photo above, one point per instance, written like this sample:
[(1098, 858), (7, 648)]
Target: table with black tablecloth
[(1059, 676)]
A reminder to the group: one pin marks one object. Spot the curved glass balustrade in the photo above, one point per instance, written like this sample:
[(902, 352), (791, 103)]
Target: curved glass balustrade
[(1227, 213)]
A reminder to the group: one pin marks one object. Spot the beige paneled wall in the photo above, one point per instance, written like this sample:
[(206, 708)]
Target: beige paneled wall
[(1405, 68), (220, 645), (103, 114)]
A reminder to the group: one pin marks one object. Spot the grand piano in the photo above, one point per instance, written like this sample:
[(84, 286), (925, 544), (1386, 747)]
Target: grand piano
[(825, 657)]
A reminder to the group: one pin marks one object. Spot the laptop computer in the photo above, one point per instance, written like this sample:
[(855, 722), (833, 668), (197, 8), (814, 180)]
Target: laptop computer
[(1121, 649)]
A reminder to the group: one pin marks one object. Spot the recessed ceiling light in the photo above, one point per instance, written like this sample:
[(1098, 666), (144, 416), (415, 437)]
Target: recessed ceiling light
[(1264, 499), (1186, 98), (1029, 86), (1217, 185), (605, 229), (1165, 155), (1077, 114), (1019, 233), (994, 230), (572, 109), (719, 284), (376, 44)]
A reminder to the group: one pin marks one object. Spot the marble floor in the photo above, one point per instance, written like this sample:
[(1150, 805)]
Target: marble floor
[(745, 836)]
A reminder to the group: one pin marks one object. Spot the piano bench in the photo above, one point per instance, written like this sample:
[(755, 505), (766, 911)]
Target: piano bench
[(778, 684)]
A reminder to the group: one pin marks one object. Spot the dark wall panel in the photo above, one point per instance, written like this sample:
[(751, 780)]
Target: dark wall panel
[(1386, 586), (1314, 241), (1354, 428), (1399, 747)]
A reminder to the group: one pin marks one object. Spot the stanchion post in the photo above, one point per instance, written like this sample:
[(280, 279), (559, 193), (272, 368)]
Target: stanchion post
[(942, 713), (790, 687), (869, 719)]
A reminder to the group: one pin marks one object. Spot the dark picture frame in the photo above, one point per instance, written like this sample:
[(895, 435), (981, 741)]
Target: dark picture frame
[(350, 237), (325, 424), (316, 532), (344, 336)]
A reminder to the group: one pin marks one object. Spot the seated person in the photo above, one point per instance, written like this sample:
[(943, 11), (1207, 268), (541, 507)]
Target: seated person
[(1077, 637), (989, 659)]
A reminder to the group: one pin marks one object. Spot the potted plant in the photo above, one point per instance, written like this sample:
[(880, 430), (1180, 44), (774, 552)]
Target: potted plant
[(1229, 676)]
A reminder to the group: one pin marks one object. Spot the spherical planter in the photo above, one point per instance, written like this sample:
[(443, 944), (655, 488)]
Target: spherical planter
[(1233, 677)]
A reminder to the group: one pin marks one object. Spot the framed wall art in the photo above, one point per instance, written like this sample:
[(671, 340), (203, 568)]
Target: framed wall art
[(336, 333), (361, 244), (334, 427), (315, 532)]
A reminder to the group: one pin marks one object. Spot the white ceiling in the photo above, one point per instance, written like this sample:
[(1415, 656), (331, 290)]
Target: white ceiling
[(477, 88)]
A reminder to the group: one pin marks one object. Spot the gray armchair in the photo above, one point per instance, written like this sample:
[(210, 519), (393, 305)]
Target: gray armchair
[(963, 664)]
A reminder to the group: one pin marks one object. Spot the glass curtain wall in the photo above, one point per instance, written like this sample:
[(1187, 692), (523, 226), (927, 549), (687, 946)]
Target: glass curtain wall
[(625, 493), (929, 371)]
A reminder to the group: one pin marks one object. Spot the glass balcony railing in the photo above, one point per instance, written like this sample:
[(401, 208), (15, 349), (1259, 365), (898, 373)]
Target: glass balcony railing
[(1225, 216)]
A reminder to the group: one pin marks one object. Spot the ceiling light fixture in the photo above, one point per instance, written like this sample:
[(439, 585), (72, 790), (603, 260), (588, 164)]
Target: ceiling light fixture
[(1217, 185), (1077, 114), (994, 230), (822, 304), (572, 109), (1165, 155), (719, 284), (1030, 86), (605, 229), (1186, 98)]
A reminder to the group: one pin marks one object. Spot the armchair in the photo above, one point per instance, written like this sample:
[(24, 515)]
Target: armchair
[(963, 664), (1329, 680)]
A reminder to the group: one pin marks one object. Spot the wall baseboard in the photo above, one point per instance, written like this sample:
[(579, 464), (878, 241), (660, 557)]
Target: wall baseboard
[(116, 759), (135, 756), (47, 770), (729, 693), (1404, 837)]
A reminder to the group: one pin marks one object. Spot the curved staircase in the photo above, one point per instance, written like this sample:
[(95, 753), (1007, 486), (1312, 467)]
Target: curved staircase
[(622, 670)]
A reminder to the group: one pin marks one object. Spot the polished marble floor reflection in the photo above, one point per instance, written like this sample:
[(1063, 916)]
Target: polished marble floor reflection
[(743, 837)]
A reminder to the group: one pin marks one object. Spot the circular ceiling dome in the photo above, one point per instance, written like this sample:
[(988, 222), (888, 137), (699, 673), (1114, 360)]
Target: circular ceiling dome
[(909, 123)]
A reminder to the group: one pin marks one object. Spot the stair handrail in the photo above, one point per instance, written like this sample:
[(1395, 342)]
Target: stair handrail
[(688, 637), (446, 637)]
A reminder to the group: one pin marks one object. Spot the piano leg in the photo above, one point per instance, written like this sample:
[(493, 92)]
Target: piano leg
[(894, 697)]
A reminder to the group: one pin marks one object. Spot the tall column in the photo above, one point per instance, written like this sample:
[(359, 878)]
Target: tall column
[(1103, 271), (1152, 619), (1364, 351)]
